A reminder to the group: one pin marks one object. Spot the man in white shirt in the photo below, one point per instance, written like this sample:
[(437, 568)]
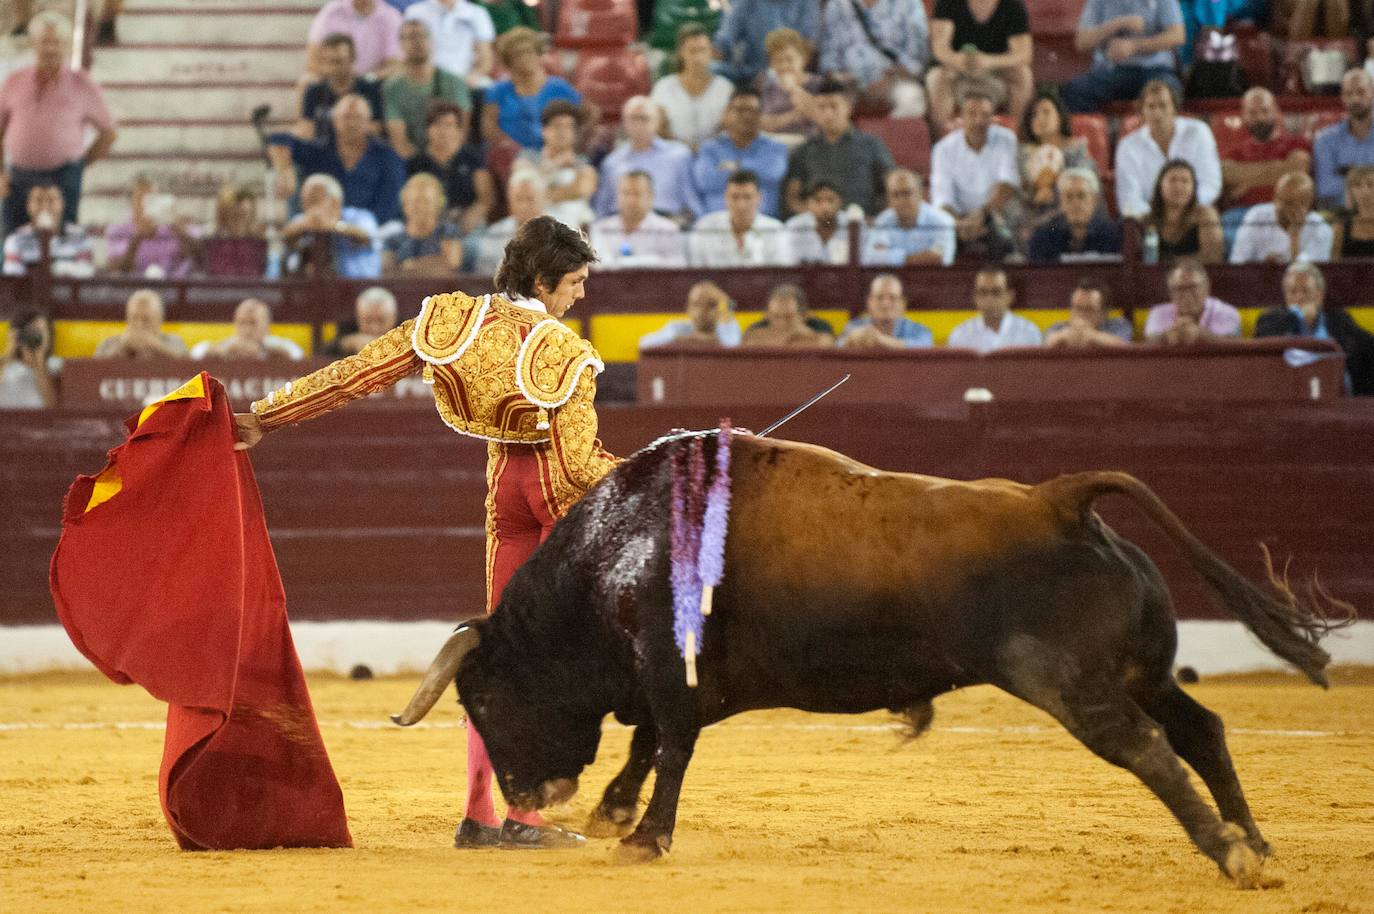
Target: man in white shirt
[(995, 327), (910, 232), (636, 236), (739, 235), (462, 33), (527, 197), (821, 234), (252, 337), (1141, 154), (1286, 230), (973, 175)]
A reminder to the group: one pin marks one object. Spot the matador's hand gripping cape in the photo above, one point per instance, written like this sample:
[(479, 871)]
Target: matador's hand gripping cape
[(500, 372)]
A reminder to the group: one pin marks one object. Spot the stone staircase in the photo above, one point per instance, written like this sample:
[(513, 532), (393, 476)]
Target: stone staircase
[(182, 82)]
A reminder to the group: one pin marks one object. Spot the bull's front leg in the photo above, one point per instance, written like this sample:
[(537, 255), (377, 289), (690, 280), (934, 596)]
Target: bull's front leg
[(653, 836), (615, 816)]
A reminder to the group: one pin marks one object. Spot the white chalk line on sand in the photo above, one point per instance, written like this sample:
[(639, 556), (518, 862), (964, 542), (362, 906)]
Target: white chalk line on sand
[(805, 728)]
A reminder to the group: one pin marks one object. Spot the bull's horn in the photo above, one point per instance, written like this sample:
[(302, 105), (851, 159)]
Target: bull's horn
[(439, 675)]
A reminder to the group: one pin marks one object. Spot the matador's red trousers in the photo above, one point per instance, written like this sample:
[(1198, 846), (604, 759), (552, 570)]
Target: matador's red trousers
[(521, 510)]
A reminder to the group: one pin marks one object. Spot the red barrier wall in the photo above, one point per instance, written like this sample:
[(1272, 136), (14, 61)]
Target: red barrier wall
[(377, 514)]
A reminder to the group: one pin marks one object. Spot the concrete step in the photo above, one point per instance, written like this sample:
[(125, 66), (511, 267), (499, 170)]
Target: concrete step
[(178, 174), (183, 63), (223, 101), (228, 26), (142, 137), (100, 209), (199, 7)]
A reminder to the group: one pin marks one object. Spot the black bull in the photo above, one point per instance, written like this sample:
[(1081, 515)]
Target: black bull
[(847, 590)]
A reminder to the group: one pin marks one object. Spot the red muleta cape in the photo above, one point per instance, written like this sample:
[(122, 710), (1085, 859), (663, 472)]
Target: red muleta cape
[(164, 576)]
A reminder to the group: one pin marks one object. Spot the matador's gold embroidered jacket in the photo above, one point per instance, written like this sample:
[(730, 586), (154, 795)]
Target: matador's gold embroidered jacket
[(500, 372)]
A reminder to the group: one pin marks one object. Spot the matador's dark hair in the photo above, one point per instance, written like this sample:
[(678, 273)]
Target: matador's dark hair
[(542, 248)]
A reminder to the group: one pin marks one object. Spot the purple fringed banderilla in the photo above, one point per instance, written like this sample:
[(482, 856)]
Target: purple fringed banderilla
[(699, 521)]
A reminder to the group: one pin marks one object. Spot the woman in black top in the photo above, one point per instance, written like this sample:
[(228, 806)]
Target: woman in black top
[(462, 171), (1186, 228), (987, 41), (1354, 231)]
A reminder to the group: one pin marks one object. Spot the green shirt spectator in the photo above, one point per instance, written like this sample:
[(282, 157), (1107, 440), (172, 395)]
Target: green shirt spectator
[(507, 14), (406, 97)]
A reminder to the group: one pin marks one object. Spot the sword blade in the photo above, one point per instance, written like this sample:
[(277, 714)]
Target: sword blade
[(801, 409)]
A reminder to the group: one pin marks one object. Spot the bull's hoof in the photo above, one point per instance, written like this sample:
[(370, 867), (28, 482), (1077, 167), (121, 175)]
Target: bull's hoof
[(1241, 863), (616, 822), (630, 852)]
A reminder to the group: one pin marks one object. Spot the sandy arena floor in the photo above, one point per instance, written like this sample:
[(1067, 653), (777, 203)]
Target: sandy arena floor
[(997, 809)]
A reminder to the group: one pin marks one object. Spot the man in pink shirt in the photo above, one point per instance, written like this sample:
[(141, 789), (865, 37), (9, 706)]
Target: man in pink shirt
[(1192, 315), (44, 111), (375, 28)]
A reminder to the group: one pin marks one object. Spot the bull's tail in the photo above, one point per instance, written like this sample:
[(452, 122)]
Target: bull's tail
[(1288, 625)]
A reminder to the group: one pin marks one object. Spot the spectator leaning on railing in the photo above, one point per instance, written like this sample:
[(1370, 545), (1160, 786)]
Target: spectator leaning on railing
[(1305, 313), (28, 369), (1088, 325), (710, 321), (45, 111), (994, 326), (142, 337), (1191, 315), (374, 313), (884, 324), (68, 248), (786, 322), (252, 337)]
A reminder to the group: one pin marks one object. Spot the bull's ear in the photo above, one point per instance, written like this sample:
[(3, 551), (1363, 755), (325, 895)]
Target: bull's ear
[(440, 673)]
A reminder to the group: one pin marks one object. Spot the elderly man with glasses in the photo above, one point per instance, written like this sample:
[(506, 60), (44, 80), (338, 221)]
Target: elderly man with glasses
[(1191, 315)]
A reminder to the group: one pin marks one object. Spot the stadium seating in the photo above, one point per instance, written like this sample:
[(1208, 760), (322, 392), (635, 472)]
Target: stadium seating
[(907, 138), (1054, 17), (596, 24), (1093, 129), (609, 77), (671, 15)]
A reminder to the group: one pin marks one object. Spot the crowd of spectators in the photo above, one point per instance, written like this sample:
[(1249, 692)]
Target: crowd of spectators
[(778, 90), (429, 130)]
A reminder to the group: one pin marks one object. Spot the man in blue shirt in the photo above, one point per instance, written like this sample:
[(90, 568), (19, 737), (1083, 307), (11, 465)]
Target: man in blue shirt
[(740, 38), (910, 232), (1343, 145), (886, 325), (1133, 42), (668, 163), (370, 173), (1080, 227), (740, 147)]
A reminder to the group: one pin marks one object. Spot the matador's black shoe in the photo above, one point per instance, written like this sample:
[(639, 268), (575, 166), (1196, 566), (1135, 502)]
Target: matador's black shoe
[(518, 835), (472, 833)]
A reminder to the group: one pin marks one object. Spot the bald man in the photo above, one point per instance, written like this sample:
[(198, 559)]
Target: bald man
[(142, 337), (1287, 230), (369, 171), (1252, 162), (667, 162), (252, 337)]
